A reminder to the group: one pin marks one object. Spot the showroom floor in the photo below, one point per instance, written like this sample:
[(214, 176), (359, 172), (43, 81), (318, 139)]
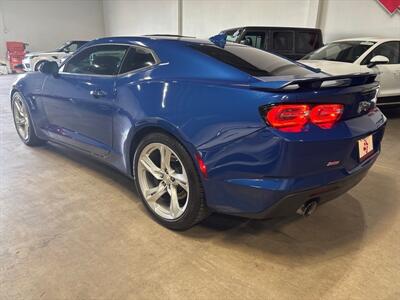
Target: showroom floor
[(71, 228)]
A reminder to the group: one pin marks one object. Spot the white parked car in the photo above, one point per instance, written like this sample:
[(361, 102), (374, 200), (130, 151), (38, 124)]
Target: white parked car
[(33, 60), (381, 56)]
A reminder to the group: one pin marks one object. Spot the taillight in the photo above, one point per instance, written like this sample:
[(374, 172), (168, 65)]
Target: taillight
[(293, 117), (325, 115), (290, 117)]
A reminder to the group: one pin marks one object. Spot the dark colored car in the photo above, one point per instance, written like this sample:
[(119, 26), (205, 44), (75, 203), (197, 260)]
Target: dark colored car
[(202, 127), (291, 42)]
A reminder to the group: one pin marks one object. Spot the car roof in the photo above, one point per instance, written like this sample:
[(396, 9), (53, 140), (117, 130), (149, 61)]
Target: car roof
[(149, 40), (272, 27), (368, 39)]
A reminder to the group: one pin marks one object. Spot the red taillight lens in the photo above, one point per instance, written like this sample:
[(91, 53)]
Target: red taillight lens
[(325, 115), (293, 117), (288, 117)]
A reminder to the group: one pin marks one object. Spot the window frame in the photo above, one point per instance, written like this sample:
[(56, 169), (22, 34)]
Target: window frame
[(83, 48), (157, 61)]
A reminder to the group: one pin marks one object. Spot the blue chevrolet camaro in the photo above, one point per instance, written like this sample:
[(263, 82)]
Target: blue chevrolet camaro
[(204, 125)]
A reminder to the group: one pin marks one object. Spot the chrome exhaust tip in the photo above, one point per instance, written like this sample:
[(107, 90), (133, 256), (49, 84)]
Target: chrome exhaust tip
[(308, 208)]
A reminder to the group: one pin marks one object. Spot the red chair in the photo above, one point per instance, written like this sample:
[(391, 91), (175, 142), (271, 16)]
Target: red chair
[(15, 54)]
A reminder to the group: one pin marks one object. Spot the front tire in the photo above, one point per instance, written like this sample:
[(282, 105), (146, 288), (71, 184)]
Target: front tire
[(23, 122), (168, 183), (39, 64)]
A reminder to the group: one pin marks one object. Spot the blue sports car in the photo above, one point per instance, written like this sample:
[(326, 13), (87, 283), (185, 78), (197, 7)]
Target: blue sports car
[(206, 125)]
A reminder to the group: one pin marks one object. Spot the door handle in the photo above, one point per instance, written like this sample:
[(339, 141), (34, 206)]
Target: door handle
[(98, 93)]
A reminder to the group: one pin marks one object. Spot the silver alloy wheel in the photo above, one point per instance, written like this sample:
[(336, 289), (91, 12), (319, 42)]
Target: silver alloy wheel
[(163, 181), (21, 117)]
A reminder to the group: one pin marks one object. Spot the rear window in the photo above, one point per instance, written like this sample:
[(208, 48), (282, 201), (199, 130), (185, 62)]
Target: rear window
[(253, 61)]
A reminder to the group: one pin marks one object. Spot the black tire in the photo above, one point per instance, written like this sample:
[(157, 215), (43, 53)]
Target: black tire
[(196, 209), (38, 64), (31, 140)]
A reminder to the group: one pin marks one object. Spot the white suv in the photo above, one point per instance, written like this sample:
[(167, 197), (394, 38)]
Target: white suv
[(33, 60), (381, 56)]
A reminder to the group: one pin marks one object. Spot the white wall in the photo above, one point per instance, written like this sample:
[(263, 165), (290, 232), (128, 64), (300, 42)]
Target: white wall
[(47, 24), (138, 17), (203, 18), (355, 18), (206, 18)]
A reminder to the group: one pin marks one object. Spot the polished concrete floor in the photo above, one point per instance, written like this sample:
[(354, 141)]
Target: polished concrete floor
[(71, 228)]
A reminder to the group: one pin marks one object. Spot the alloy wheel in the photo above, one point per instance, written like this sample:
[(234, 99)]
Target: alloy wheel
[(21, 117), (163, 181)]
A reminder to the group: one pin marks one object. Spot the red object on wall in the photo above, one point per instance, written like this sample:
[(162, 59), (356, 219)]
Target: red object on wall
[(15, 53), (390, 5)]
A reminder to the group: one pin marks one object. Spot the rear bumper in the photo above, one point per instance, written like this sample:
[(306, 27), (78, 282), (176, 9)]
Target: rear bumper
[(279, 197), (289, 204), (265, 175)]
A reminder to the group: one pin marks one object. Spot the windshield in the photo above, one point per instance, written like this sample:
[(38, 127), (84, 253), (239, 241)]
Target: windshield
[(59, 49), (347, 51), (70, 46), (251, 60)]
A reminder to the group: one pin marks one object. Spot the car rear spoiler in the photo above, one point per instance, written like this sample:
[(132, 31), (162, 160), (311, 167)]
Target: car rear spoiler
[(314, 83)]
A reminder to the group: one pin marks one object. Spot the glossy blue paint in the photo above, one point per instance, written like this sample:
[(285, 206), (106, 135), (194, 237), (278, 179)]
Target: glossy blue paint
[(213, 109)]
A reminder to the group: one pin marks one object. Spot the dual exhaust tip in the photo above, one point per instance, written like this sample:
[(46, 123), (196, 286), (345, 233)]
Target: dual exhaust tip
[(308, 208)]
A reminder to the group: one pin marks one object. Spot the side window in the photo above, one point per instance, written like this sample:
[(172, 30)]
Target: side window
[(97, 60), (254, 38), (233, 35), (137, 58), (390, 49), (306, 42), (282, 41)]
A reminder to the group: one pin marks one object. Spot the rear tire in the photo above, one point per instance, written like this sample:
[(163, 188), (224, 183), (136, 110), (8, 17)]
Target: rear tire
[(23, 122), (168, 182)]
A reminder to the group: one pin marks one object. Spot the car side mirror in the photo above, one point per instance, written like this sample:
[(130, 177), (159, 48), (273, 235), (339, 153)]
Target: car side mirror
[(377, 60), (49, 67)]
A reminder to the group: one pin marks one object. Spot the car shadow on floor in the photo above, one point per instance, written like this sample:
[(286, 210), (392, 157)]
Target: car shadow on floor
[(335, 228), (84, 160)]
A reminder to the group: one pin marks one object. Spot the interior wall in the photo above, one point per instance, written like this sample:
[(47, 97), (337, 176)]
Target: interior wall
[(357, 18), (206, 18), (45, 25), (203, 18), (138, 17)]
